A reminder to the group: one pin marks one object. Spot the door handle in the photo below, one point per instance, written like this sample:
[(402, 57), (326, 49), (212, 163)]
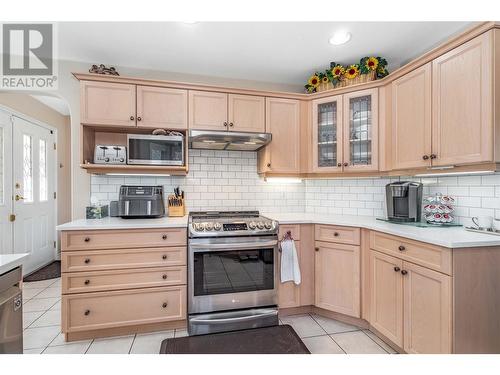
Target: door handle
[(19, 197)]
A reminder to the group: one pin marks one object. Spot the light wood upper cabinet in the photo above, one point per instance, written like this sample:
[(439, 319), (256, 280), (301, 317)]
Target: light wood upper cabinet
[(159, 107), (107, 104), (360, 133), (246, 113), (411, 119), (327, 134), (427, 311), (282, 155), (337, 278), (386, 300), (208, 110), (462, 99)]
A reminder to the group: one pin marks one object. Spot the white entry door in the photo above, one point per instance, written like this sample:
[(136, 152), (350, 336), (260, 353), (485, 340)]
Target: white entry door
[(6, 225), (33, 192)]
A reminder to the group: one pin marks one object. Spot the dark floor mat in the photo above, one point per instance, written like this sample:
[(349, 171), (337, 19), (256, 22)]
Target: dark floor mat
[(269, 340), (50, 271)]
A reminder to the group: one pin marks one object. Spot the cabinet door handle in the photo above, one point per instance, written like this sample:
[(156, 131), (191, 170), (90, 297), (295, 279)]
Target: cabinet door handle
[(339, 164), (401, 248), (87, 282), (425, 157), (139, 118), (433, 156), (87, 312), (164, 236), (346, 164), (404, 272), (87, 239), (269, 165), (132, 118), (164, 256), (164, 305), (164, 277), (397, 269), (316, 248), (87, 260), (225, 124), (231, 124)]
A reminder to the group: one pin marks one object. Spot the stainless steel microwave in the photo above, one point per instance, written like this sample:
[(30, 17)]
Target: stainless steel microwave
[(155, 149)]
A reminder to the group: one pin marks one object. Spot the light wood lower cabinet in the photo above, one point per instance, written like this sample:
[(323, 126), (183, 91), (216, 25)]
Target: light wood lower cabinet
[(386, 286), (122, 281), (410, 304), (427, 310), (102, 310), (337, 278)]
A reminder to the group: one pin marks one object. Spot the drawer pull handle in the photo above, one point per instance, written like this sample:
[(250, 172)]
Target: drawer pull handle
[(87, 312), (401, 248), (164, 305), (164, 237), (87, 282), (87, 239), (404, 272), (164, 277), (335, 234), (397, 269), (87, 261), (164, 256), (316, 248)]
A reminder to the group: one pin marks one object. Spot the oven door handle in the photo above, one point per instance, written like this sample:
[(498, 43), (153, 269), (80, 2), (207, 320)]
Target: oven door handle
[(232, 246), (232, 320)]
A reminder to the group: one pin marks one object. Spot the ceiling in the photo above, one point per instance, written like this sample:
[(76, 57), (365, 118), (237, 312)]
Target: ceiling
[(57, 104), (278, 52)]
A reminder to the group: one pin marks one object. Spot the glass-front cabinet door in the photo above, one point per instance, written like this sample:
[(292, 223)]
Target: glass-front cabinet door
[(327, 134), (360, 130)]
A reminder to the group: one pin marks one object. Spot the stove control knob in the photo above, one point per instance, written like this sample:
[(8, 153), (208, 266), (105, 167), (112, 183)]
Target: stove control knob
[(268, 225), (217, 226), (260, 225), (199, 227), (252, 225), (209, 226)]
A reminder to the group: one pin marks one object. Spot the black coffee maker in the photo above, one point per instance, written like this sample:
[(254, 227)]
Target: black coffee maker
[(404, 201)]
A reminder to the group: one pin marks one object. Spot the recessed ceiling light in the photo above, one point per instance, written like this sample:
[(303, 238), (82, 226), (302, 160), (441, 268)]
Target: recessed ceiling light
[(340, 37)]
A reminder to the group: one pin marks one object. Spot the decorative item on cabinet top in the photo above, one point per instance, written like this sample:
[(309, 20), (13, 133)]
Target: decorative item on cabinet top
[(368, 69), (101, 69)]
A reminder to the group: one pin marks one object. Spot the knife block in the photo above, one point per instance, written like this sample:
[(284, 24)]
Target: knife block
[(176, 211)]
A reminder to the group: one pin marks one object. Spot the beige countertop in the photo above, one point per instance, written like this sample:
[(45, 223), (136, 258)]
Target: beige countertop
[(452, 237)]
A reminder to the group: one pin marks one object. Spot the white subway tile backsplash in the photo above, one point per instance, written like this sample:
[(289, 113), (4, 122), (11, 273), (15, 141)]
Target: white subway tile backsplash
[(229, 180)]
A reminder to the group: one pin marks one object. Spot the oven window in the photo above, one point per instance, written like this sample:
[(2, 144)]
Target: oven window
[(151, 149), (233, 271)]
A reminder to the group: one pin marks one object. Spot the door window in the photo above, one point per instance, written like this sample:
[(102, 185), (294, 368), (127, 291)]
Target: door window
[(327, 134), (27, 168), (360, 129), (220, 272), (43, 170)]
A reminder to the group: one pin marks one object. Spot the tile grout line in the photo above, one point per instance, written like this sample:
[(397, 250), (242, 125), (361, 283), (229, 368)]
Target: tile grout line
[(88, 347), (132, 345), (375, 341)]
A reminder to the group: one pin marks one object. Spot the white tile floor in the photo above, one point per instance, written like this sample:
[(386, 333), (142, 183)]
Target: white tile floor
[(42, 331)]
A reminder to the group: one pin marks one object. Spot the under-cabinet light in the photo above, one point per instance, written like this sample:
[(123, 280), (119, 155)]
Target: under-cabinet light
[(136, 174), (283, 180), (438, 174)]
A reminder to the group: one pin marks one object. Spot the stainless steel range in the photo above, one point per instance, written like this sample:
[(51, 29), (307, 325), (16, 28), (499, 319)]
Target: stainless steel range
[(232, 271)]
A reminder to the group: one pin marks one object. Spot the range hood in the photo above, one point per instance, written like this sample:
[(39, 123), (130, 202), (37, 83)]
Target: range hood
[(225, 140)]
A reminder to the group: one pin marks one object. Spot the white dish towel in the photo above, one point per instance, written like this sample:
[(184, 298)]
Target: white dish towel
[(290, 270)]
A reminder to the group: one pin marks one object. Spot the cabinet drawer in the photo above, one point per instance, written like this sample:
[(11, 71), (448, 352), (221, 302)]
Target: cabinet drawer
[(88, 311), (426, 255), (337, 234), (294, 229), (116, 239), (96, 260), (97, 281)]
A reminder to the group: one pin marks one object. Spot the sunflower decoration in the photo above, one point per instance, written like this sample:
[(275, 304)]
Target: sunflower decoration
[(373, 64), (313, 82), (337, 71), (352, 71)]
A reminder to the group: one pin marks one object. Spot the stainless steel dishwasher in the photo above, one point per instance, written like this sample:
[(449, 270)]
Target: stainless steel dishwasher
[(11, 313)]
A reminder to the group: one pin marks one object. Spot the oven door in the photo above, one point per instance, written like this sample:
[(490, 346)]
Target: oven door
[(232, 273), (155, 150)]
